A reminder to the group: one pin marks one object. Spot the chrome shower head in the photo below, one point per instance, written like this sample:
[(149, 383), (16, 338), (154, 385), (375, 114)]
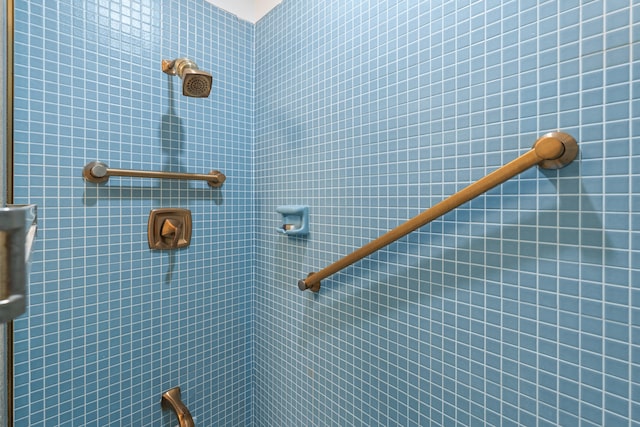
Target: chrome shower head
[(195, 82)]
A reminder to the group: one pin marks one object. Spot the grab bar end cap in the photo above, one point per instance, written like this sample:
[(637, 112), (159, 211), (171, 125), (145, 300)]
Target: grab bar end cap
[(96, 172), (220, 179), (303, 285), (554, 155)]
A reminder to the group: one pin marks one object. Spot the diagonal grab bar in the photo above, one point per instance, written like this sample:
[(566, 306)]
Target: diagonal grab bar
[(553, 150)]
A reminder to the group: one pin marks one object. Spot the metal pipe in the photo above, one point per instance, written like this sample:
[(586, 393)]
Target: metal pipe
[(99, 172), (552, 151)]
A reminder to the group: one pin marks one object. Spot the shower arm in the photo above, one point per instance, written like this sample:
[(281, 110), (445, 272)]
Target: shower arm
[(98, 172), (551, 151)]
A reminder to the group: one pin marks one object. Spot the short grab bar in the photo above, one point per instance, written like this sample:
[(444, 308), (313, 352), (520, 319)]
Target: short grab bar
[(99, 172), (553, 150)]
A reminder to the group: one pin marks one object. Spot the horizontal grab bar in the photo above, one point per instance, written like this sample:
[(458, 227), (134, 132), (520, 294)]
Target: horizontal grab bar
[(551, 151), (99, 172)]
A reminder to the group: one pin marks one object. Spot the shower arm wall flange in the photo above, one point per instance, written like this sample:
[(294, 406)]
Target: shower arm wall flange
[(168, 67)]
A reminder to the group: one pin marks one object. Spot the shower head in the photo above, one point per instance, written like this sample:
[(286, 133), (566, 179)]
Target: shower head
[(195, 82)]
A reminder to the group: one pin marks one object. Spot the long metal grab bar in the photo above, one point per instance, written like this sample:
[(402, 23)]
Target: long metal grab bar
[(551, 151), (99, 172)]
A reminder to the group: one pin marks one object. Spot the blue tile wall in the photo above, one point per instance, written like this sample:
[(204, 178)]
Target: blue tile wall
[(520, 307), (111, 325)]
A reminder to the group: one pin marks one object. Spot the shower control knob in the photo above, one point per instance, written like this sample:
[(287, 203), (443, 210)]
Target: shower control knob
[(169, 228)]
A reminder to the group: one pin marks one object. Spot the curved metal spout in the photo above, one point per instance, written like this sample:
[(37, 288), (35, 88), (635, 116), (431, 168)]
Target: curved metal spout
[(171, 400)]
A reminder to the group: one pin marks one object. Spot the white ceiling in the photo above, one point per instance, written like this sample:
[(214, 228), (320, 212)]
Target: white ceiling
[(248, 10)]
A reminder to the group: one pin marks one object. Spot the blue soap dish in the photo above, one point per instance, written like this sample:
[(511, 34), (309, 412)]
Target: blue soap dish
[(295, 220)]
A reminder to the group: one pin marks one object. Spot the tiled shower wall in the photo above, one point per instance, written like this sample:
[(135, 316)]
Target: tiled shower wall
[(111, 325), (519, 308)]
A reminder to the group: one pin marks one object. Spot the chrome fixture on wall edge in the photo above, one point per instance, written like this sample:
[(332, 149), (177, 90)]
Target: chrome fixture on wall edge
[(18, 225), (195, 82)]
